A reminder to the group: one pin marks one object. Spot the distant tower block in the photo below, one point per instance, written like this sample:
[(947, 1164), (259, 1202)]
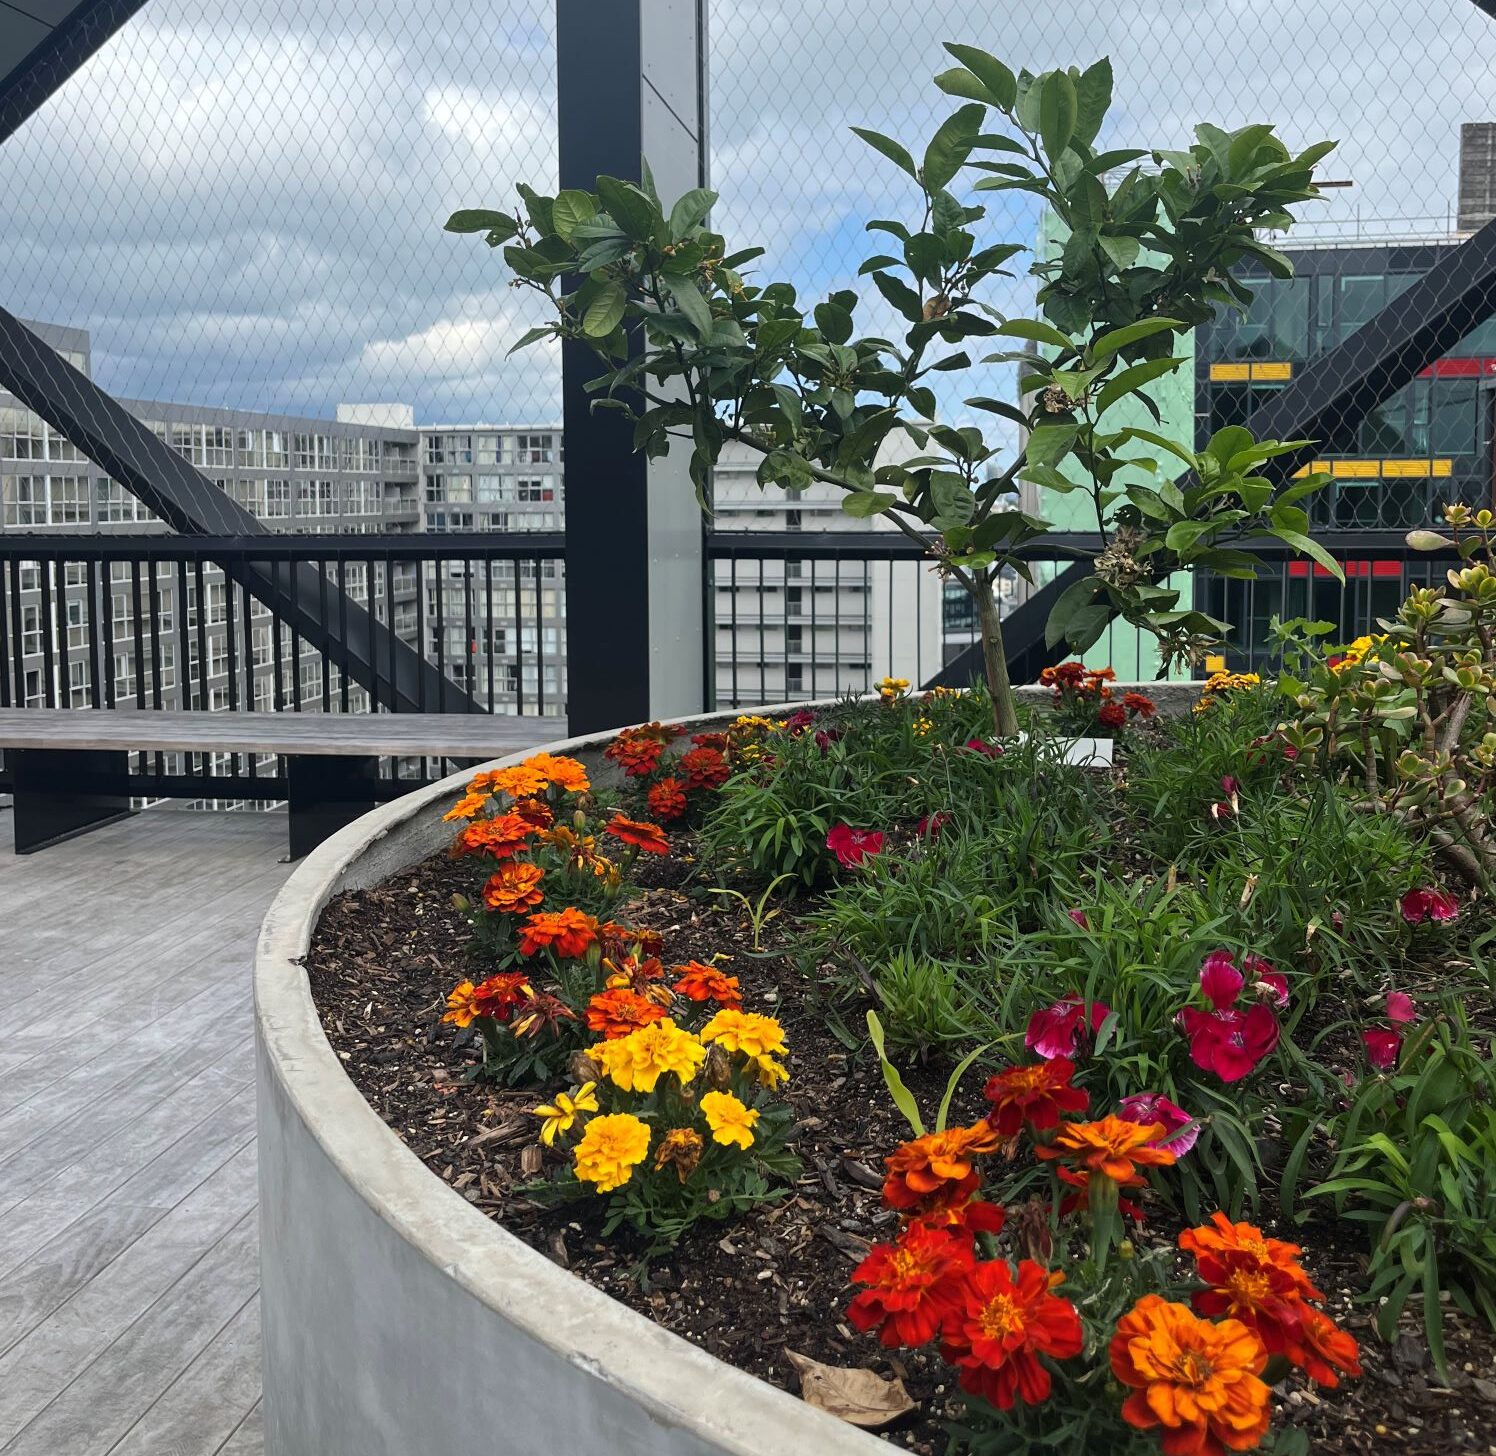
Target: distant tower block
[(1477, 174)]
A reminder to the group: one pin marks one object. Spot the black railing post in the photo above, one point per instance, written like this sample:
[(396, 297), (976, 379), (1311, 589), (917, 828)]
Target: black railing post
[(630, 86)]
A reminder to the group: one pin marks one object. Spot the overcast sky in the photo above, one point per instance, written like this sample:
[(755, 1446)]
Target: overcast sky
[(244, 201)]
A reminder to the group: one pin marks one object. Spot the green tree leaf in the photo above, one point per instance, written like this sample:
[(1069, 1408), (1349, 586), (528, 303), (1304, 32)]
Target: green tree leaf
[(690, 208), (1114, 340), (865, 503), (1057, 113), (996, 77), (1035, 329), (891, 149), (570, 210), (478, 220), (605, 312), (1307, 547), (950, 147)]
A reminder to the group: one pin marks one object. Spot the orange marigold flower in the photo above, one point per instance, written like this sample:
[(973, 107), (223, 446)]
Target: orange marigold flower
[(1215, 1243), (913, 1285), (705, 768), (565, 933), (563, 773), (535, 812), (1198, 1380), (640, 833), (667, 799), (515, 887), (618, 1011), (469, 806), (500, 994), (681, 1148), (706, 983), (1111, 1147), (519, 781), (501, 836), (636, 975), (637, 750), (937, 1169), (482, 783), (461, 1008), (1003, 1325), (1033, 1095)]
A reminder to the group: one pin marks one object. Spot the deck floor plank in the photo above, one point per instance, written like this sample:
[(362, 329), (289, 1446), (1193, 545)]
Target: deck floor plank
[(129, 1312)]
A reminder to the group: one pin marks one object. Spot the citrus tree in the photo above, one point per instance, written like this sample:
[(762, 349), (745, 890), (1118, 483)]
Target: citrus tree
[(692, 347)]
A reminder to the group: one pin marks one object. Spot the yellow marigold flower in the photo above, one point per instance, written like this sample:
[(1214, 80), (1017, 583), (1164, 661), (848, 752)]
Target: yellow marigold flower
[(636, 1062), (770, 1074), (730, 1120), (747, 1032), (922, 726), (462, 1004), (561, 1115), (610, 1149), (753, 723), (468, 807), (892, 688)]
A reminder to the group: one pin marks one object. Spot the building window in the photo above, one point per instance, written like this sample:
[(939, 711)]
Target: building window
[(277, 499), (534, 449)]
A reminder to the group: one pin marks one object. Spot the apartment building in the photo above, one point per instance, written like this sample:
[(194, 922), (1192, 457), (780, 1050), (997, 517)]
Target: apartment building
[(811, 626)]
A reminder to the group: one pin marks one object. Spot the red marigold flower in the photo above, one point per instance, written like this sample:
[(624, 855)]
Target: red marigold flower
[(1055, 1030), (1139, 705), (1034, 1095), (705, 768), (500, 994), (975, 1216), (535, 812), (1230, 1043), (501, 836), (1383, 1047), (640, 833), (710, 740), (566, 933), (700, 982), (618, 1011), (1003, 1325), (667, 799), (1428, 903), (543, 1012), (1324, 1348), (913, 1285), (1063, 675), (1080, 1200), (1216, 1243), (937, 1169), (620, 941), (637, 750), (852, 846), (1111, 715)]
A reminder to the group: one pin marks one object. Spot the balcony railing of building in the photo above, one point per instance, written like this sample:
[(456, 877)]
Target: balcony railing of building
[(160, 622)]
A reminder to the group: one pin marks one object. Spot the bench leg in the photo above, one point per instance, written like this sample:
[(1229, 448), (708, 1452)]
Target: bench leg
[(60, 793), (327, 792)]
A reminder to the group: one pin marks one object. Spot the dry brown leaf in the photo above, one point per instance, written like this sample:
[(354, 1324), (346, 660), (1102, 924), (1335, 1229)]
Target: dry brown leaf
[(860, 1397)]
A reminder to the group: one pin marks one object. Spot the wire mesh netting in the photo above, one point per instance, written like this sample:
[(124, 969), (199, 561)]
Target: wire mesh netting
[(230, 217)]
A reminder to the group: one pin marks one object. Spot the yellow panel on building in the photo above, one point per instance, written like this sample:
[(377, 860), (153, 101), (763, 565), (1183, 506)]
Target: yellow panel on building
[(1272, 372), (1356, 469), (1230, 373)]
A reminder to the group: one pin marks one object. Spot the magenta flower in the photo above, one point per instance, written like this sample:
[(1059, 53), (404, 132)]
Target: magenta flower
[(1054, 1031), (1220, 980), (799, 721), (1230, 1043), (1269, 984), (1400, 1007), (977, 745), (1148, 1107), (1427, 903), (852, 846), (1080, 918), (1383, 1045), (930, 826)]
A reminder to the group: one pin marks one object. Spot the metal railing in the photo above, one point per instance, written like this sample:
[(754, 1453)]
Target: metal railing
[(158, 621)]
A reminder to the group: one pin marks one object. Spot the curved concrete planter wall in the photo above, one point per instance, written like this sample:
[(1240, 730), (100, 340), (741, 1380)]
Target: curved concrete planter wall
[(398, 1320)]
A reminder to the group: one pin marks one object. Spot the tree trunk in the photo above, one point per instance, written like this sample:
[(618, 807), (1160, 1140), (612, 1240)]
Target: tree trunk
[(995, 659)]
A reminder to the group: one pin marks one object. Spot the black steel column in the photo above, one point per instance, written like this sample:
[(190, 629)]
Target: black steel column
[(630, 85)]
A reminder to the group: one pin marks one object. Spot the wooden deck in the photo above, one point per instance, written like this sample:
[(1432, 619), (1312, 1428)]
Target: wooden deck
[(129, 1318)]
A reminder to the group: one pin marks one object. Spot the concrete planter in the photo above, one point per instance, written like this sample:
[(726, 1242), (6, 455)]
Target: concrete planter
[(397, 1318)]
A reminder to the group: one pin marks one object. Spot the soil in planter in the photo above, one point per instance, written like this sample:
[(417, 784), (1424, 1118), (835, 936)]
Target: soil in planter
[(747, 1291)]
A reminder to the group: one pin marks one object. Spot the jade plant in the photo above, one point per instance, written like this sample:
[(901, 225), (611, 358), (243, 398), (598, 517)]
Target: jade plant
[(692, 348)]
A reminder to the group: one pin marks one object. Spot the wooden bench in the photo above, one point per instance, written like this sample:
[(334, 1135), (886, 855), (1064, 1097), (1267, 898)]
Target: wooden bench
[(71, 766)]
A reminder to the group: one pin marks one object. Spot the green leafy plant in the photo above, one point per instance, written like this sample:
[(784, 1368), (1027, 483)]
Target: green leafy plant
[(690, 348), (757, 911)]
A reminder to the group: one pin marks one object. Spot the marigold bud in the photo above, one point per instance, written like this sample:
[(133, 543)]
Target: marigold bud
[(582, 1069), (718, 1069)]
